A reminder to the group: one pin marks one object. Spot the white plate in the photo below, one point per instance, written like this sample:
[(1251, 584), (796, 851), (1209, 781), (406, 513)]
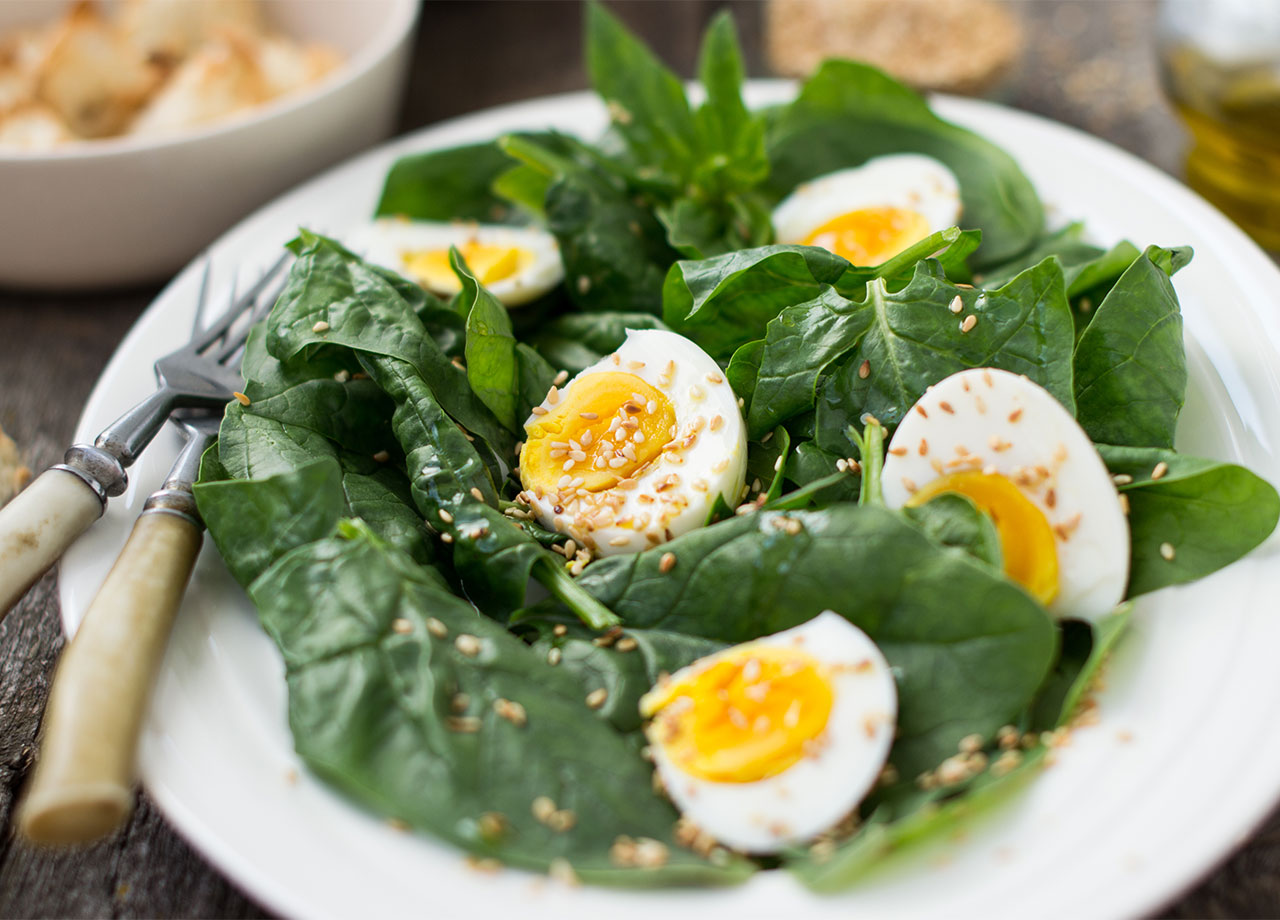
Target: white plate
[(1184, 763)]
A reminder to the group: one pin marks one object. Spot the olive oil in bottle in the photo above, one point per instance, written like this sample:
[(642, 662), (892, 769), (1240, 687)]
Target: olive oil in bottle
[(1220, 62)]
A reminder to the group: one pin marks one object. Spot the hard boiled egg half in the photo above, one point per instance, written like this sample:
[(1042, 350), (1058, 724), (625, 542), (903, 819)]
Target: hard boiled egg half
[(633, 451), (870, 213), (1013, 450), (770, 743), (516, 264)]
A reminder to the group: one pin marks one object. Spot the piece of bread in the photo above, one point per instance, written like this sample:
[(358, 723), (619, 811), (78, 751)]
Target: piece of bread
[(167, 31), (91, 76), (218, 80), (32, 127)]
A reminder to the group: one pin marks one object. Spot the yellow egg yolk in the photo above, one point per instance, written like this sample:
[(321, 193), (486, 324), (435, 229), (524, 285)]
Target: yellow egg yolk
[(487, 262), (606, 427), (1026, 539), (869, 236), (749, 715)]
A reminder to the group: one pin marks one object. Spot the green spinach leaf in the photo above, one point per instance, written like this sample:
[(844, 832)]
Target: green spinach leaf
[(1130, 367), (1209, 513)]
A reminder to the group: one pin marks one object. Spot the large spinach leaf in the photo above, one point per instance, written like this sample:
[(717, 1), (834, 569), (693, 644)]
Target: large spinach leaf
[(1209, 513), (970, 648), (402, 696), (1130, 367), (447, 185), (848, 113), (915, 340), (575, 341)]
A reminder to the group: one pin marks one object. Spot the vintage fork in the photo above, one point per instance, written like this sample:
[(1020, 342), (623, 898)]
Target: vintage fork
[(38, 525)]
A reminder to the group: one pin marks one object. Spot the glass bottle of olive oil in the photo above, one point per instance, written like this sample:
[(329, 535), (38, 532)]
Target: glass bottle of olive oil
[(1220, 63)]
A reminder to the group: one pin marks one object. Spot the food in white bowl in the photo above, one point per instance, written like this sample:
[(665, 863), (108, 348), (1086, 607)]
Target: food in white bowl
[(121, 210)]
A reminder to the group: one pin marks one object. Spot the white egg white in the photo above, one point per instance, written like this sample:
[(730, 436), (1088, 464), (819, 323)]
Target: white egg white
[(388, 241), (819, 790), (910, 181), (673, 494), (995, 421)]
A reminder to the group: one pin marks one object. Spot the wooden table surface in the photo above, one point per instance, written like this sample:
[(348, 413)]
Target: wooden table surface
[(1087, 62)]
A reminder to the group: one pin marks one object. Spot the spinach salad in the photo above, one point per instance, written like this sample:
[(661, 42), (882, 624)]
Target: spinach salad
[(367, 491)]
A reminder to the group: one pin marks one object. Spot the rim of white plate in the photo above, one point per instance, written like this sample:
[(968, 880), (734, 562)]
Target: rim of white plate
[(1190, 847)]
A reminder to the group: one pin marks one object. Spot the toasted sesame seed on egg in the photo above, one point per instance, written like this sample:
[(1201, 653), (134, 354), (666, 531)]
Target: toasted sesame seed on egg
[(1005, 443), (769, 743), (633, 451)]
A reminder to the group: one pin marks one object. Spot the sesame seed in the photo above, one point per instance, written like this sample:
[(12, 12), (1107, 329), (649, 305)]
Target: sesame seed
[(898, 451), (464, 725), (986, 377), (619, 541), (1124, 503), (1051, 498), (241, 398), (946, 407), (920, 409), (864, 369), (381, 456), (626, 644), (320, 326), (511, 711), (1159, 471), (589, 416), (561, 870), (638, 436), (667, 562), (1167, 551), (543, 807), (437, 628), (970, 744), (923, 448), (539, 410), (563, 482), (576, 481), (909, 484), (457, 362), (342, 376), (1015, 415), (587, 437), (1122, 479), (956, 305), (577, 456), (842, 465), (553, 396), (742, 403), (446, 538), (596, 698), (560, 630), (445, 516), (553, 656), (562, 820), (969, 322), (477, 494), (401, 625), (584, 284), (617, 462), (651, 407), (616, 358), (696, 393), (467, 644), (777, 464)]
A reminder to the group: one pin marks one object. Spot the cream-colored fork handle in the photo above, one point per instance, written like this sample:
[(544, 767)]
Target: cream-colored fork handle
[(38, 525), (83, 783)]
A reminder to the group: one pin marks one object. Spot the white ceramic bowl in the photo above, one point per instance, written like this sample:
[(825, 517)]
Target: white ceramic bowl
[(120, 210)]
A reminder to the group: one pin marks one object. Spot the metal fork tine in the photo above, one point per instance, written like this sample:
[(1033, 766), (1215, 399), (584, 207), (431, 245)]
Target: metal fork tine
[(219, 327), (234, 344), (202, 299)]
